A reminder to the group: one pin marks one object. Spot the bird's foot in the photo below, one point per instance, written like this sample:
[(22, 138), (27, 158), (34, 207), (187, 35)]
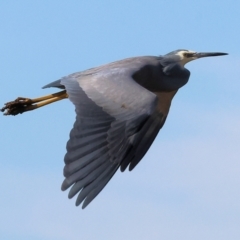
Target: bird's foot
[(17, 106), (21, 105)]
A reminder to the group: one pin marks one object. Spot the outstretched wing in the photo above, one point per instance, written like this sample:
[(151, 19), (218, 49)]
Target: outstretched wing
[(111, 108), (116, 123)]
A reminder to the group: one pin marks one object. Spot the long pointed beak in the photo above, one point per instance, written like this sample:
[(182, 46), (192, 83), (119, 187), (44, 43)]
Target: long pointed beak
[(209, 54)]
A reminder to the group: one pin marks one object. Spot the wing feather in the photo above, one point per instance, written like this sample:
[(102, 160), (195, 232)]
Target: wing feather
[(117, 121)]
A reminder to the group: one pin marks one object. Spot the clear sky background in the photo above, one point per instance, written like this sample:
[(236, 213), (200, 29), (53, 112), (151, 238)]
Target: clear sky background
[(187, 186)]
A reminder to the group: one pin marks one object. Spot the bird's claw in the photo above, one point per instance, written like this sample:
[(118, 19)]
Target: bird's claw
[(17, 106)]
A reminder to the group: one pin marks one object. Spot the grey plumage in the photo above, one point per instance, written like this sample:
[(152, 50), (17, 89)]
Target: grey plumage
[(120, 109)]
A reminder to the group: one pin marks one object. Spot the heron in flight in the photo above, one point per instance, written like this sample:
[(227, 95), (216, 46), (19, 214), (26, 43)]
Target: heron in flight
[(120, 108)]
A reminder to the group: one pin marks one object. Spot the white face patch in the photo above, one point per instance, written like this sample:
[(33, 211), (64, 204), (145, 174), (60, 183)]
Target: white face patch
[(184, 59)]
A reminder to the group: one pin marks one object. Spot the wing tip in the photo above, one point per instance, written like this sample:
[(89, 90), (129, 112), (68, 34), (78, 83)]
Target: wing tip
[(131, 167), (65, 185)]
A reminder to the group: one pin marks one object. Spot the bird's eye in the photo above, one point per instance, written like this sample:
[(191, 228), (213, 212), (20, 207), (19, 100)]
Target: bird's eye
[(187, 55)]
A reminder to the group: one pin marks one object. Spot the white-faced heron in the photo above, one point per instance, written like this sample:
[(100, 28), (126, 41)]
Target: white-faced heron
[(120, 107)]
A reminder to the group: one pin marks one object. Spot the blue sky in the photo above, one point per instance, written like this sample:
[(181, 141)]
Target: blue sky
[(187, 186)]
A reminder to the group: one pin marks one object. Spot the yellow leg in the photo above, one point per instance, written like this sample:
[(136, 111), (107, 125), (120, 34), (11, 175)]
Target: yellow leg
[(21, 105)]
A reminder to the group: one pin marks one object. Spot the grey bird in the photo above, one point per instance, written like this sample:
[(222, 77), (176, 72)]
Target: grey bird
[(120, 108)]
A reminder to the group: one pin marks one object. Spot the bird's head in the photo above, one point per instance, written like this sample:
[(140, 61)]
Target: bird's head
[(183, 56)]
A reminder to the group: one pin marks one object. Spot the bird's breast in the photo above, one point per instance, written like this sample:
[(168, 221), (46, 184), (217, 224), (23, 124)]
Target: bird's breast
[(164, 101)]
